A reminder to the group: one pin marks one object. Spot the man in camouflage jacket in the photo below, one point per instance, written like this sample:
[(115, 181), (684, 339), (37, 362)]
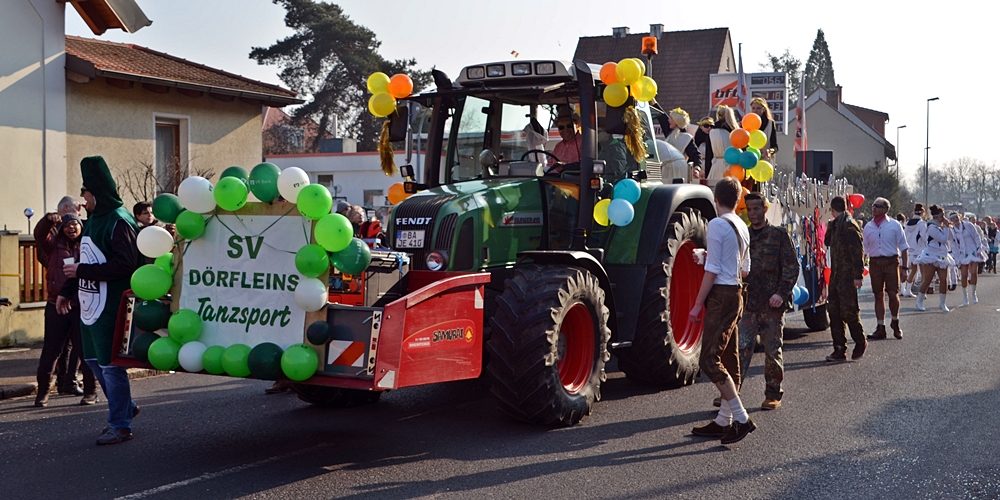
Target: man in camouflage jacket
[(769, 287), (843, 236)]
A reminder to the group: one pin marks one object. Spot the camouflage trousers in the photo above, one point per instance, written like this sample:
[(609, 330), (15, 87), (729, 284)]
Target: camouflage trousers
[(768, 325)]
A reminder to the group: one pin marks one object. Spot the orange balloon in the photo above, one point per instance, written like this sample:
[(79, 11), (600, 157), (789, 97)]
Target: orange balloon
[(397, 193), (751, 122), (400, 86), (739, 138), (609, 73), (737, 172)]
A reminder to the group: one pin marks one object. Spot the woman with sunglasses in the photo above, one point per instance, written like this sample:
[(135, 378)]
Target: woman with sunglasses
[(935, 258)]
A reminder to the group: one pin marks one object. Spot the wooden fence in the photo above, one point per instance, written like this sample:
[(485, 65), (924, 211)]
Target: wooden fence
[(32, 272)]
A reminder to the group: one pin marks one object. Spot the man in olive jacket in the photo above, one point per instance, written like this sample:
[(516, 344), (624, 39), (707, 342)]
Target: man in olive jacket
[(769, 286), (843, 236)]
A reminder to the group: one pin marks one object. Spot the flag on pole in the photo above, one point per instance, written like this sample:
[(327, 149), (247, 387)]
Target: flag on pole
[(801, 138), (741, 87)]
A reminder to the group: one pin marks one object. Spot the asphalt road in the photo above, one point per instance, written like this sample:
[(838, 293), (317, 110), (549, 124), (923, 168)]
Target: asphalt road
[(916, 418)]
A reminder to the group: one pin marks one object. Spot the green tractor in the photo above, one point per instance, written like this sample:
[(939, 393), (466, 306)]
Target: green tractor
[(565, 293)]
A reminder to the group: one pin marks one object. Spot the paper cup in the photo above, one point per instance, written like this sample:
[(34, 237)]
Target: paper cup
[(69, 260)]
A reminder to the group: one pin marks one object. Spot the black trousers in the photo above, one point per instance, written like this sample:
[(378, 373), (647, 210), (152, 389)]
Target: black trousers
[(60, 328)]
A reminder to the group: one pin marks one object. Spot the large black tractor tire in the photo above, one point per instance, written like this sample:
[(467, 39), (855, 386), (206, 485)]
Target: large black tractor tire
[(663, 352), (816, 318), (549, 345), (334, 397)]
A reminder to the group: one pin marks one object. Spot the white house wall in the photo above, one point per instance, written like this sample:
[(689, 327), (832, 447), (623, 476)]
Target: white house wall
[(32, 109), (829, 130), (353, 172)]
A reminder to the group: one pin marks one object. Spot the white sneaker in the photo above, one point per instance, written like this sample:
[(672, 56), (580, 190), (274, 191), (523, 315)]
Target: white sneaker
[(920, 302)]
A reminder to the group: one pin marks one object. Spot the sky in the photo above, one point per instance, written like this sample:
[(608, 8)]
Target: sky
[(887, 56)]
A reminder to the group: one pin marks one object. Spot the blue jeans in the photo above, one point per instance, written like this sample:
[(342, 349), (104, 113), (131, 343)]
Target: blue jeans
[(114, 382)]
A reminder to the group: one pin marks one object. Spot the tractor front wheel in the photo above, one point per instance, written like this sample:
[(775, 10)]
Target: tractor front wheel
[(549, 345)]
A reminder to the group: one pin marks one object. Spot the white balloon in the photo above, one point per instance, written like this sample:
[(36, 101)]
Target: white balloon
[(290, 181), (154, 241), (196, 194), (190, 356), (311, 294)]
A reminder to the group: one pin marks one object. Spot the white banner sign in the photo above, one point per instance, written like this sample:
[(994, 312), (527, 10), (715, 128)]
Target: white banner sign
[(240, 278)]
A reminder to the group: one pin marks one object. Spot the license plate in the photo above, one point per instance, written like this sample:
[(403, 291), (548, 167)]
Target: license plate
[(410, 239)]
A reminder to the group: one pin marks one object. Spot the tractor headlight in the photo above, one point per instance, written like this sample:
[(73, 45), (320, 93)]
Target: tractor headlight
[(436, 261)]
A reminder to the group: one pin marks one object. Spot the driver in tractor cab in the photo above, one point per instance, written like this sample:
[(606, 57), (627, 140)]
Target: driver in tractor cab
[(568, 149)]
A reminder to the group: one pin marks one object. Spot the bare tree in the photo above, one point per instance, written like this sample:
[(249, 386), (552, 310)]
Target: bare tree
[(141, 182)]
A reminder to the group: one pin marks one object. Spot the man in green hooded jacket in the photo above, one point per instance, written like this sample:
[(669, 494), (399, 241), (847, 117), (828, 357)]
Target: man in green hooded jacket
[(108, 256)]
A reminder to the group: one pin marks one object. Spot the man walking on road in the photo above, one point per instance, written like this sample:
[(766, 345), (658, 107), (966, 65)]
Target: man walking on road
[(843, 236), (769, 286), (720, 299), (884, 243)]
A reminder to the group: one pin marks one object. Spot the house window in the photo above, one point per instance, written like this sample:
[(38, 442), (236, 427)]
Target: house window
[(325, 180), (169, 158), (372, 196)]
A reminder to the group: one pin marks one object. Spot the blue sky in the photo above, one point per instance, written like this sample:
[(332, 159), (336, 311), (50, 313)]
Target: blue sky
[(889, 56)]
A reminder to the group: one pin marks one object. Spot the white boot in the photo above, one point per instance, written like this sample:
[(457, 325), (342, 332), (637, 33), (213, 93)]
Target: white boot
[(905, 290), (975, 298), (909, 289), (942, 305), (965, 297), (920, 301)]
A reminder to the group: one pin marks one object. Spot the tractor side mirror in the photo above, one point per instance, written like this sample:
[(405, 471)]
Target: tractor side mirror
[(406, 171), (399, 123)]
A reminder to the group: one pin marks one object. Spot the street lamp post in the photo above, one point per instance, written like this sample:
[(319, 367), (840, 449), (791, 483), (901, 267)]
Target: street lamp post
[(927, 149), (897, 151)]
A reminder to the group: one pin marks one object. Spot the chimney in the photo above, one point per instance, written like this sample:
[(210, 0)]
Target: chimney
[(656, 30), (833, 97), (619, 32)]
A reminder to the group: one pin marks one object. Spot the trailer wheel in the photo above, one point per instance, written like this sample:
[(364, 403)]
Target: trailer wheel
[(816, 318), (549, 345), (334, 397), (664, 352)]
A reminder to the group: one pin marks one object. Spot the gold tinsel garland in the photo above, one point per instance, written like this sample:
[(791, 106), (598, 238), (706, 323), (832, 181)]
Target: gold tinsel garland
[(633, 135), (385, 152)]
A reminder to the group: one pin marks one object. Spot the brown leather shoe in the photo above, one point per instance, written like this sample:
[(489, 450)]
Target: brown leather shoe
[(879, 333), (738, 431), (710, 429), (896, 332), (837, 356), (859, 350), (770, 404)]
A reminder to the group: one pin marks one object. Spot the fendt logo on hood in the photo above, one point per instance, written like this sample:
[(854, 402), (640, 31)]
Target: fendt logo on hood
[(521, 219), (413, 221)]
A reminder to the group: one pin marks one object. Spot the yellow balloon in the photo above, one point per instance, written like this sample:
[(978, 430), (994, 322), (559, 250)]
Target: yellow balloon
[(378, 82), (615, 94), (762, 172), (601, 212), (628, 71), (381, 104), (758, 139), (642, 65), (644, 89)]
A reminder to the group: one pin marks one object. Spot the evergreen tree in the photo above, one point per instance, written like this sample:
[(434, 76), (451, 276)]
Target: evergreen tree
[(788, 64), (819, 67), (327, 60)]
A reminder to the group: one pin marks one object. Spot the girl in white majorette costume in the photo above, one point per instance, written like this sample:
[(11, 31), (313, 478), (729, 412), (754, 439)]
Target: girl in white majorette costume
[(969, 250), (915, 230), (935, 259)]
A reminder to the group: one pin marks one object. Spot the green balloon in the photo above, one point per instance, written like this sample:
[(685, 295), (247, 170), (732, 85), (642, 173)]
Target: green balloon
[(230, 194), (166, 207), (190, 225), (237, 172), (264, 182), (334, 232), (234, 360), (150, 282), (311, 260), (318, 332), (163, 354), (265, 361), (314, 201), (354, 259), (184, 326), (165, 262), (140, 346), (151, 315), (299, 362), (212, 360)]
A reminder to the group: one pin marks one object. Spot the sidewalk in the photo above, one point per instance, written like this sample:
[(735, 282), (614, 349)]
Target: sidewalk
[(19, 364)]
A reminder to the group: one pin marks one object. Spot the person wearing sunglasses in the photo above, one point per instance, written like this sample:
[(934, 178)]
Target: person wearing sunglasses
[(885, 243), (568, 149)]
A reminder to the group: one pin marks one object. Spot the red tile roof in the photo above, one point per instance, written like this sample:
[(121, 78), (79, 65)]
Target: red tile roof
[(681, 69), (136, 63)]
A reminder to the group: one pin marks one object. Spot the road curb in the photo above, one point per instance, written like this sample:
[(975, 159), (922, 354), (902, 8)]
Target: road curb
[(20, 390)]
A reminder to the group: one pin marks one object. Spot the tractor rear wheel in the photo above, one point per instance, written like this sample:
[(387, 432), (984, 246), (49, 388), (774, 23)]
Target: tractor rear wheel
[(549, 345), (665, 350), (334, 397)]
